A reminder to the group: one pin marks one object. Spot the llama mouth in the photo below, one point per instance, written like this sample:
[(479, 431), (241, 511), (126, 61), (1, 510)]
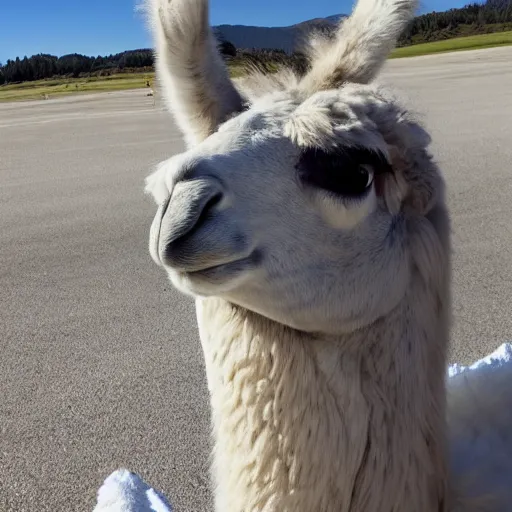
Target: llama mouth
[(224, 271)]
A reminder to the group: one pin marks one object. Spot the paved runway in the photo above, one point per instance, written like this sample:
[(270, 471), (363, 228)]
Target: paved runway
[(100, 365)]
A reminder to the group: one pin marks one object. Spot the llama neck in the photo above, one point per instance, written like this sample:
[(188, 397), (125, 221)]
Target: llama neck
[(347, 424)]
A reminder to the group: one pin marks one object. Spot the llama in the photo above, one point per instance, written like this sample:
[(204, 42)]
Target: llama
[(309, 222)]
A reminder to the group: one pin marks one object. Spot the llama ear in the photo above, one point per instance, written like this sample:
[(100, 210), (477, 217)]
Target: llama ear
[(360, 46), (193, 76)]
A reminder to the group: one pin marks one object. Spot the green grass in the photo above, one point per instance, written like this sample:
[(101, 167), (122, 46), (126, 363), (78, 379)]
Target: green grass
[(55, 87), (457, 44), (68, 86), (237, 69)]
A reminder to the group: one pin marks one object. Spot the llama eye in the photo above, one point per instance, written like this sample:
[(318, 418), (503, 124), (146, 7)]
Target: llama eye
[(346, 172)]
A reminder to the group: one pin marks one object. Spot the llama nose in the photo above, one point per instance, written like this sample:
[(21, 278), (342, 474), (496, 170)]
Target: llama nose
[(186, 210)]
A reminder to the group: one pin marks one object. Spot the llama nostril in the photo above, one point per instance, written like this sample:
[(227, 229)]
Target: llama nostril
[(207, 209)]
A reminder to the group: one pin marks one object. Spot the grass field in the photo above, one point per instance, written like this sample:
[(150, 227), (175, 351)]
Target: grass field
[(67, 86), (60, 87), (457, 44)]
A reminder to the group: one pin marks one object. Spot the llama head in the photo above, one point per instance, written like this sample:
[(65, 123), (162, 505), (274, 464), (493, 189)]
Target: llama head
[(300, 197)]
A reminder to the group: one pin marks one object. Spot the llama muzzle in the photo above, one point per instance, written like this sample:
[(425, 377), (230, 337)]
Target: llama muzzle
[(177, 224)]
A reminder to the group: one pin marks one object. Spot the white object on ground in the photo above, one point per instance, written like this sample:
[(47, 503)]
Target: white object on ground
[(502, 355), (124, 491), (470, 388)]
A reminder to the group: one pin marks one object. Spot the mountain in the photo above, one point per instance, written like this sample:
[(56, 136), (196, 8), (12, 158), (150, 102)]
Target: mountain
[(283, 38)]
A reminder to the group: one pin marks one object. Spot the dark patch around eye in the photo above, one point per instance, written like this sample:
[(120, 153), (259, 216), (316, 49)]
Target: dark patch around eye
[(341, 170)]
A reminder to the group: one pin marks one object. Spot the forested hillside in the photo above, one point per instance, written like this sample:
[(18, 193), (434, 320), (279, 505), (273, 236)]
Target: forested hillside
[(491, 16)]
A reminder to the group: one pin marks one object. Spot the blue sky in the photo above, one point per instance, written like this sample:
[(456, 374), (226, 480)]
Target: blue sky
[(99, 27)]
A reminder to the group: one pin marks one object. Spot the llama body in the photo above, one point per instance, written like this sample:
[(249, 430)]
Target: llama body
[(308, 220)]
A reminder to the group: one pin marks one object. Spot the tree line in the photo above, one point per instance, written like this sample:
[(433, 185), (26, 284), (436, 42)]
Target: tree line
[(42, 66), (493, 15), (475, 18)]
